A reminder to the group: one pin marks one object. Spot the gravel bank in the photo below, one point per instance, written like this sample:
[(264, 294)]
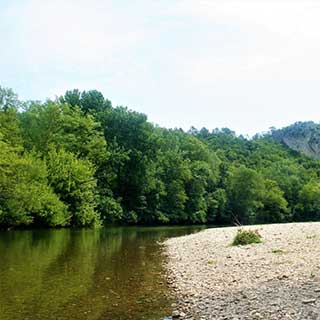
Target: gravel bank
[(277, 279)]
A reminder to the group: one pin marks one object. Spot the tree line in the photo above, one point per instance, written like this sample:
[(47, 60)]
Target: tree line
[(79, 161)]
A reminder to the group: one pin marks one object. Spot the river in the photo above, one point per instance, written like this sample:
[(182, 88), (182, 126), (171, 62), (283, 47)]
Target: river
[(103, 274)]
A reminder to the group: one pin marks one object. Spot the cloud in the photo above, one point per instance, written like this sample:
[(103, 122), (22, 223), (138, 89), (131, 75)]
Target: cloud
[(253, 40), (72, 32), (213, 61)]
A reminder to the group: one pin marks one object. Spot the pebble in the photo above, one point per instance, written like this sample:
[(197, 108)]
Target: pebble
[(247, 282), (175, 314), (309, 301)]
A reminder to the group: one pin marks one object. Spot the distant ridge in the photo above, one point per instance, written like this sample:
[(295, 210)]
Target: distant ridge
[(303, 137)]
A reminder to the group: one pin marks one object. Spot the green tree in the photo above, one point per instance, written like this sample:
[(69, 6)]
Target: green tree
[(90, 102), (217, 207), (245, 192), (25, 196), (308, 208), (9, 100), (9, 126), (52, 123), (78, 161), (73, 181), (274, 204), (72, 97)]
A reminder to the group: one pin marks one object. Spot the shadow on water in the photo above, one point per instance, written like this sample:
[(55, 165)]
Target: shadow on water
[(109, 273)]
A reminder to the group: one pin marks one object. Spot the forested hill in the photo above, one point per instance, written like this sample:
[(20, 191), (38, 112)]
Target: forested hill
[(78, 161)]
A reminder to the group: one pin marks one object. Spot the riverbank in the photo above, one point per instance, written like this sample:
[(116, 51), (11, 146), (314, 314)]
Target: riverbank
[(277, 279)]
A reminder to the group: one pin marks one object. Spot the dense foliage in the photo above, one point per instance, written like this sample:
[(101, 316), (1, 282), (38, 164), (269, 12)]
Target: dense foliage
[(78, 161)]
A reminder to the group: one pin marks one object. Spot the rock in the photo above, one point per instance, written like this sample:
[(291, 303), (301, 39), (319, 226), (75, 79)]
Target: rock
[(307, 301), (247, 283), (175, 314), (303, 137)]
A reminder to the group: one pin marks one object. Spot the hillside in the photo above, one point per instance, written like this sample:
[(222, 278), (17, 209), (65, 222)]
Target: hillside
[(303, 137), (79, 161)]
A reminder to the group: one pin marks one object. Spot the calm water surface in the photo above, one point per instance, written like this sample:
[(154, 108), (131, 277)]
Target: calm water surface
[(110, 273)]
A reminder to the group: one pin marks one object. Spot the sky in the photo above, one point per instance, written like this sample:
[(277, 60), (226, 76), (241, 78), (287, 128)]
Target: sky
[(243, 64)]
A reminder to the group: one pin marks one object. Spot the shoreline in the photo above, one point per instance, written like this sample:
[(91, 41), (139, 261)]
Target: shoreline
[(276, 279)]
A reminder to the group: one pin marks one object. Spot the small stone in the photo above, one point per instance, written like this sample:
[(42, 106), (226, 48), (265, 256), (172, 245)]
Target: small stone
[(306, 301), (175, 314)]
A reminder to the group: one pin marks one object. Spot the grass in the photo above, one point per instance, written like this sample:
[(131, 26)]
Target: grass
[(245, 237)]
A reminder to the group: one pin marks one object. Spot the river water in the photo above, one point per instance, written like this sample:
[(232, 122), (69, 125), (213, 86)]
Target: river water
[(103, 274)]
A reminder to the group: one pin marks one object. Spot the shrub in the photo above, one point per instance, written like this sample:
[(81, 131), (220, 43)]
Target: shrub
[(244, 237)]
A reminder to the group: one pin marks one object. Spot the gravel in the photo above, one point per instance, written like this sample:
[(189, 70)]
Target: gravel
[(276, 279)]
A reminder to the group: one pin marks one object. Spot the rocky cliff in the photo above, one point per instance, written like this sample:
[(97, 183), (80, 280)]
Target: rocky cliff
[(303, 137)]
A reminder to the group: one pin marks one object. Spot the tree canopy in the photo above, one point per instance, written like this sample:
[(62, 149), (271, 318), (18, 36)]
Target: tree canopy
[(79, 161)]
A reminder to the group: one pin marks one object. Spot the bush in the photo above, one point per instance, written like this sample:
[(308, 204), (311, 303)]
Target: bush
[(244, 237)]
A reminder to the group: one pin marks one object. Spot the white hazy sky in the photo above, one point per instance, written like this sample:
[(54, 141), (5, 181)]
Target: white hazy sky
[(246, 65)]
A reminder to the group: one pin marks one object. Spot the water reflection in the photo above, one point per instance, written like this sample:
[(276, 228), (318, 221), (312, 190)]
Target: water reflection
[(110, 273)]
